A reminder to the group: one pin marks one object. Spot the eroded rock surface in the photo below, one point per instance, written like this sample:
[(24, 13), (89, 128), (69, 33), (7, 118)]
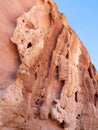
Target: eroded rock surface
[(56, 86)]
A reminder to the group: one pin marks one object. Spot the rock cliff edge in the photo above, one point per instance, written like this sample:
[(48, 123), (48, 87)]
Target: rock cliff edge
[(56, 85)]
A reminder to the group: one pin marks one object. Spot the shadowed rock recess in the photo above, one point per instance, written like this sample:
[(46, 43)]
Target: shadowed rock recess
[(56, 85)]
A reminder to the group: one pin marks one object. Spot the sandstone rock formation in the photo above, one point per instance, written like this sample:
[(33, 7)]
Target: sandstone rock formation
[(56, 85)]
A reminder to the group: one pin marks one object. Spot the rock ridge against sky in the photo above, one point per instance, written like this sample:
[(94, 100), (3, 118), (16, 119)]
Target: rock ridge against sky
[(56, 85)]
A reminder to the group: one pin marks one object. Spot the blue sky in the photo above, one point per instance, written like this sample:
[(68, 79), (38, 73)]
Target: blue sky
[(82, 16)]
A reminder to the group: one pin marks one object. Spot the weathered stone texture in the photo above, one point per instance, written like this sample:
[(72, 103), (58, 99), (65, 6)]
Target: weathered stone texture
[(56, 85)]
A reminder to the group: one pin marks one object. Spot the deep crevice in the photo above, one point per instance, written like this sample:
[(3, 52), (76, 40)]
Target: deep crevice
[(90, 72), (53, 48), (62, 82), (67, 55), (76, 96), (57, 72), (35, 76), (50, 48), (62, 125), (95, 99)]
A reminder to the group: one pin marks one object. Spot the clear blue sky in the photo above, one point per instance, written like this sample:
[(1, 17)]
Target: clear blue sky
[(82, 16)]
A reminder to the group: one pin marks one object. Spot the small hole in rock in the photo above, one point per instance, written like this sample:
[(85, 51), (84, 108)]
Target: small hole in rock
[(22, 40), (42, 96), (63, 108), (67, 45), (23, 21), (78, 116), (29, 45), (38, 66), (54, 102), (50, 116), (39, 102)]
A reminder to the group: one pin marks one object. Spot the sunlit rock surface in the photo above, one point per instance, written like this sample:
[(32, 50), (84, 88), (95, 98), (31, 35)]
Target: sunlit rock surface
[(52, 83)]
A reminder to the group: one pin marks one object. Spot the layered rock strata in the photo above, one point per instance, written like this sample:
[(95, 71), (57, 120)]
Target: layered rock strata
[(56, 85)]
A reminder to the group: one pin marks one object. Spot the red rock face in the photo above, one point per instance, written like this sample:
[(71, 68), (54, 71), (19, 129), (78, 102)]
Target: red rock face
[(56, 85)]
